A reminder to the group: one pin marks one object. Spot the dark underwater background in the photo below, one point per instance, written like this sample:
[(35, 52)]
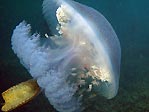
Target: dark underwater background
[(130, 20)]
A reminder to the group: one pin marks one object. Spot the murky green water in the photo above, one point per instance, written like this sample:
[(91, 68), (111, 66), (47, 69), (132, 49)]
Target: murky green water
[(129, 18)]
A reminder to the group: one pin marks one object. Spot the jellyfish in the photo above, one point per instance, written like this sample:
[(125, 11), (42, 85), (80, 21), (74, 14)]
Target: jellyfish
[(83, 59)]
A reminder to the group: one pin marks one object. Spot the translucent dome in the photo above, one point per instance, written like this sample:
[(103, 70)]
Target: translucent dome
[(87, 54)]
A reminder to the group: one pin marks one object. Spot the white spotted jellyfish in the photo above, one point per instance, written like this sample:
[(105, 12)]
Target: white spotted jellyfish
[(86, 59)]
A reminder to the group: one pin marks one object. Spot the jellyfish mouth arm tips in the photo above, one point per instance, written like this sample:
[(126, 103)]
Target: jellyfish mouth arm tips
[(19, 94), (40, 65)]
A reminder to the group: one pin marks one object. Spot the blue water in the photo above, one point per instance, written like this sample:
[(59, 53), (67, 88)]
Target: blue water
[(129, 19)]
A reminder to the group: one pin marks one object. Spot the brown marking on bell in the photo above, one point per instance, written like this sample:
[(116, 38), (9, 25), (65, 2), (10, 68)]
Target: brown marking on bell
[(19, 94)]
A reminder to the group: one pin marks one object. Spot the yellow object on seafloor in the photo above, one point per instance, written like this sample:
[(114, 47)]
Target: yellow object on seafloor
[(20, 94)]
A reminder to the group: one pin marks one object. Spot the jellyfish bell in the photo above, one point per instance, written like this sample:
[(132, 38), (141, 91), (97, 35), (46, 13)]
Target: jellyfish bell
[(86, 57), (91, 37)]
